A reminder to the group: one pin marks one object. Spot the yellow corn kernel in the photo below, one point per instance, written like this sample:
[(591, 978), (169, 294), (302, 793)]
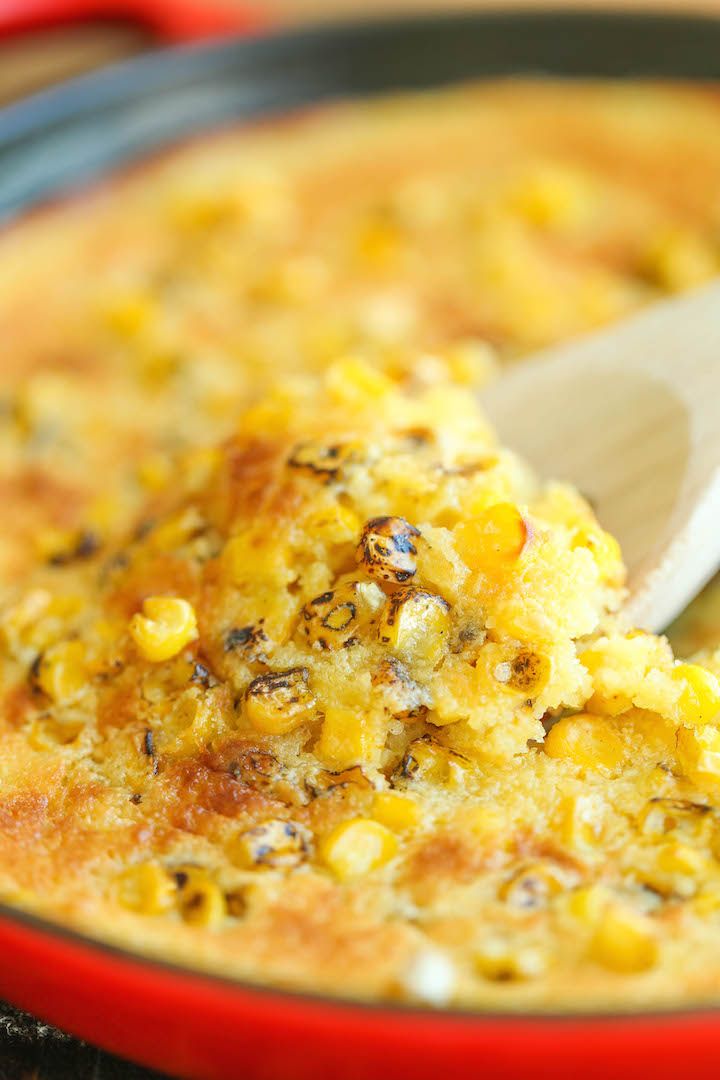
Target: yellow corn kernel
[(415, 624), (605, 550), (494, 540), (200, 900), (587, 904), (396, 812), (335, 525), (279, 701), (62, 672), (698, 753), (679, 869), (624, 941), (154, 472), (587, 741), (167, 624), (707, 901), (700, 697), (351, 382), (146, 888), (255, 559), (501, 961), (356, 847), (129, 314), (677, 817), (350, 737)]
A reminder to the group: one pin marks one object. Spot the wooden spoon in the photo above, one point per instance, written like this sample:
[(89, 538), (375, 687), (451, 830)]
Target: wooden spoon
[(631, 417)]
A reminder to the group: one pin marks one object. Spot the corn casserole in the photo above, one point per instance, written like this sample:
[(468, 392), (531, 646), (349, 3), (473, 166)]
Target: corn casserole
[(305, 679)]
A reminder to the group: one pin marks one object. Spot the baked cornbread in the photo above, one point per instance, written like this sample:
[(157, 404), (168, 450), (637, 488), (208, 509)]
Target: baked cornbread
[(346, 701)]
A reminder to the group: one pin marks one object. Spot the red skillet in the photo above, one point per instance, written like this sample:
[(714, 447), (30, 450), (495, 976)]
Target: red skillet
[(165, 1016)]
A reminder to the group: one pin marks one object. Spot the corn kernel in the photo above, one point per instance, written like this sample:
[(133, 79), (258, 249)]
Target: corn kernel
[(700, 698), (678, 870), (350, 736), (146, 888), (415, 624), (679, 259), (605, 550), (527, 672), (356, 847), (387, 550), (276, 844), (501, 961), (587, 904), (334, 619), (167, 624), (396, 812), (426, 760), (624, 942), (587, 741), (698, 753), (62, 672), (494, 540), (200, 900), (351, 382), (280, 701)]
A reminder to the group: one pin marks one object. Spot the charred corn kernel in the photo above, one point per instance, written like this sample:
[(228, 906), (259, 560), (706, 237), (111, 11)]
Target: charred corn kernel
[(527, 672), (679, 817), (579, 822), (356, 847), (335, 525), (425, 760), (494, 540), (200, 900), (533, 886), (401, 696), (698, 753), (587, 741), (354, 383), (62, 671), (167, 624), (587, 904), (700, 698), (349, 736), (503, 961), (276, 844), (387, 550), (397, 812), (415, 624), (147, 889), (335, 619), (624, 941), (605, 550), (323, 460), (279, 701)]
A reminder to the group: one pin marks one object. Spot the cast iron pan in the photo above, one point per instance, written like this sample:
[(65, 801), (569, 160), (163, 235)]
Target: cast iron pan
[(207, 1027)]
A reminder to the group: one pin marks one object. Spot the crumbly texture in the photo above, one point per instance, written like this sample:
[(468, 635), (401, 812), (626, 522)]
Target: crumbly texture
[(345, 702)]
